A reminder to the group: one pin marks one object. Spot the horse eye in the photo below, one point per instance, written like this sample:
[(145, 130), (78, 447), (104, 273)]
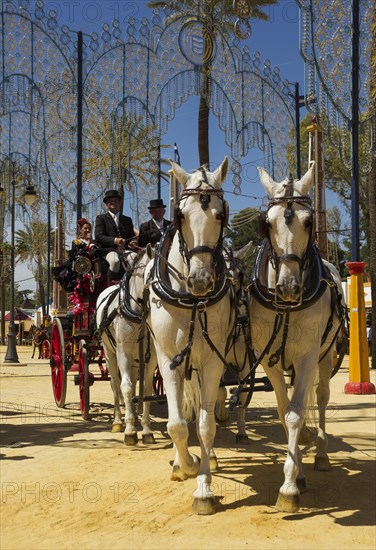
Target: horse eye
[(219, 216), (308, 222)]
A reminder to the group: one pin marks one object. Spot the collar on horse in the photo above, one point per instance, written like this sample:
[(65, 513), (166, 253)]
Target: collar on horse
[(317, 278)]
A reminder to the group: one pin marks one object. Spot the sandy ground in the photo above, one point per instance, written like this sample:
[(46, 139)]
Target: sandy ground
[(71, 484)]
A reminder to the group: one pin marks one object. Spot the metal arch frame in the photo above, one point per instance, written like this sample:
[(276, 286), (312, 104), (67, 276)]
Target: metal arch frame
[(151, 41)]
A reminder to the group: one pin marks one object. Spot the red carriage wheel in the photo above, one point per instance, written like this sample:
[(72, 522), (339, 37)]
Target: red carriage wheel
[(46, 349), (57, 363), (84, 376), (157, 382)]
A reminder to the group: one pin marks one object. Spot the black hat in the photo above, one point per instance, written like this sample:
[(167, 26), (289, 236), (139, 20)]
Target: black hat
[(111, 193), (156, 203)]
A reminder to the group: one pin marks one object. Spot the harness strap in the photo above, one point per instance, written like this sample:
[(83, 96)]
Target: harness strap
[(203, 319), (178, 359), (107, 319), (235, 397)]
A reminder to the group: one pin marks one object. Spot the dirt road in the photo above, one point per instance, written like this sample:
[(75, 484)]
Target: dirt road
[(71, 484)]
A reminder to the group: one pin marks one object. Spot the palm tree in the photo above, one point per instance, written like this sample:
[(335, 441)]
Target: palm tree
[(219, 17), (31, 247)]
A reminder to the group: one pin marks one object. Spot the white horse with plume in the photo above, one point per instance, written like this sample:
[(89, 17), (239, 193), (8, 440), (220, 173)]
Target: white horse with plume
[(296, 314), (191, 318), (119, 318)]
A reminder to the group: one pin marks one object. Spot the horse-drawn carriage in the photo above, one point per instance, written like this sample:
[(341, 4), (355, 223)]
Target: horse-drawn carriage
[(189, 299), (76, 338), (73, 342)]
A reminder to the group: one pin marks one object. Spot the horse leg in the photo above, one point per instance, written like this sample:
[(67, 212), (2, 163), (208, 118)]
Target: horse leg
[(221, 412), (288, 498), (203, 503), (322, 463), (147, 433), (185, 463), (241, 436), (34, 346), (117, 424), (129, 375)]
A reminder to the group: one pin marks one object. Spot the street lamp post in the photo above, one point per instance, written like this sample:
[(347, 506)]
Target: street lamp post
[(11, 355)]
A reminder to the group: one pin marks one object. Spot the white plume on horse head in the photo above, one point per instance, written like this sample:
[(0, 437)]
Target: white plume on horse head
[(278, 189), (219, 175)]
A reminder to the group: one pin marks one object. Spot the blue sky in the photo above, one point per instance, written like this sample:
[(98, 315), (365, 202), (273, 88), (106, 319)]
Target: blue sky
[(276, 40)]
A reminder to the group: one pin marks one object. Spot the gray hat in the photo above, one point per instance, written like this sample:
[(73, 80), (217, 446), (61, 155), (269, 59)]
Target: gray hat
[(156, 203), (111, 193)]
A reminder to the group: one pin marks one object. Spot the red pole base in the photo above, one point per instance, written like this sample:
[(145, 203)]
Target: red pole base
[(360, 388)]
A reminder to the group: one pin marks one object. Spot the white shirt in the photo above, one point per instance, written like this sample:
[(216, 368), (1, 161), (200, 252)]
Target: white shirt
[(115, 217)]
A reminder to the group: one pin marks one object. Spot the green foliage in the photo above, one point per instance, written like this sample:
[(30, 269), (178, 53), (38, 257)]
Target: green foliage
[(31, 247), (244, 229)]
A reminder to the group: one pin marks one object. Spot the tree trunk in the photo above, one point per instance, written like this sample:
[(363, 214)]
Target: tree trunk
[(42, 294), (203, 118)]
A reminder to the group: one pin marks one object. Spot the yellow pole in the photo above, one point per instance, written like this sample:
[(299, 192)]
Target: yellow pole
[(358, 361)]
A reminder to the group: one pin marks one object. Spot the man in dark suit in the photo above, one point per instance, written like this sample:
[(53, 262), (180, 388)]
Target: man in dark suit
[(114, 233), (152, 231)]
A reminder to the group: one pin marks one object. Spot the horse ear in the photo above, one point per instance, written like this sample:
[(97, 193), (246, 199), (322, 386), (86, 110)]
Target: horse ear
[(180, 174), (221, 172), (150, 251), (305, 183), (267, 182)]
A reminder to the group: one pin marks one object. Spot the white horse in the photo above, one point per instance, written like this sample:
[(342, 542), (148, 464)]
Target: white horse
[(191, 319), (296, 314), (119, 318)]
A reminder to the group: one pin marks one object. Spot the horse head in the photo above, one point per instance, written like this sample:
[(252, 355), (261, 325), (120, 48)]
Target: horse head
[(289, 227), (200, 217), (137, 262)]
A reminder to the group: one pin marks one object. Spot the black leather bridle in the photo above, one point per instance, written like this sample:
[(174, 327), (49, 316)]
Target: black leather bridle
[(205, 197), (289, 213)]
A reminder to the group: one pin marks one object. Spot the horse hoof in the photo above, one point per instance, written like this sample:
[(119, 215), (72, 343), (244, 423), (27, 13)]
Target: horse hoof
[(130, 439), (148, 439), (241, 439), (322, 464), (287, 503), (203, 506), (178, 474), (117, 428), (222, 421), (213, 464), (301, 484)]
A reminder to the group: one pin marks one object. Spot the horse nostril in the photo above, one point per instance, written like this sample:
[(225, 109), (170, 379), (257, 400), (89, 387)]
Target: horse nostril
[(279, 289), (295, 289)]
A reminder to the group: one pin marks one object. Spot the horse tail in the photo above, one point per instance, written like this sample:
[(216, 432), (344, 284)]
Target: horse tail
[(191, 400)]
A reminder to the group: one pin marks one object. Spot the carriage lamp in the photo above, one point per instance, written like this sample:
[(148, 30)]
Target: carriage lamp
[(82, 265)]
